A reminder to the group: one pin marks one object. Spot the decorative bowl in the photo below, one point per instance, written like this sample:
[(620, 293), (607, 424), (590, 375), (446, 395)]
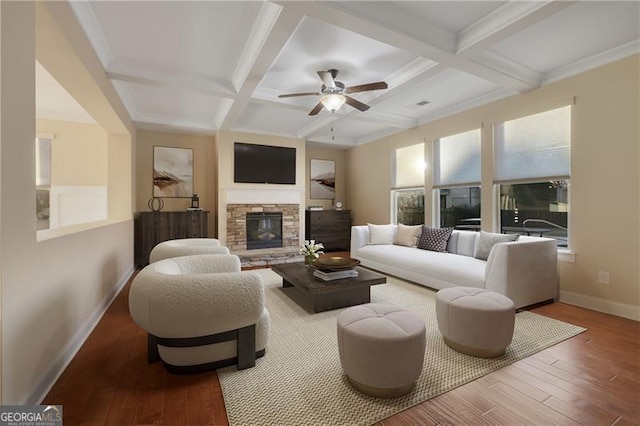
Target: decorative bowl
[(335, 262)]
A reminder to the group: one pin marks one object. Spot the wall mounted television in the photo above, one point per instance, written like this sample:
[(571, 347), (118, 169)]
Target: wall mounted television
[(264, 164)]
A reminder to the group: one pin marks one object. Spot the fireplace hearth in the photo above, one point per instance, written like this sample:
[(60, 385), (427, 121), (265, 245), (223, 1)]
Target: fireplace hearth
[(264, 230)]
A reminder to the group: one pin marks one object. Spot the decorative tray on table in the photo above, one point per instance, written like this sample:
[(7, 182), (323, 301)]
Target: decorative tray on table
[(335, 263)]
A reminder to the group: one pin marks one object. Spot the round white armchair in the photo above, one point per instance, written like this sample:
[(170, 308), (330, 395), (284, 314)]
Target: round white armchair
[(200, 312), (186, 247)]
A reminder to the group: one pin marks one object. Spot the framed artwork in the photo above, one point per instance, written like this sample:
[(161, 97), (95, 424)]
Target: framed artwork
[(172, 172), (322, 178)]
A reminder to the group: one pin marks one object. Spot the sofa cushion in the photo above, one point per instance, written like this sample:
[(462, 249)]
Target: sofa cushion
[(407, 235), (435, 268), (463, 242), (488, 240), (434, 239), (381, 234)]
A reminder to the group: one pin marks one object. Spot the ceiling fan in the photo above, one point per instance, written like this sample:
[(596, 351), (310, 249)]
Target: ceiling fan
[(335, 94)]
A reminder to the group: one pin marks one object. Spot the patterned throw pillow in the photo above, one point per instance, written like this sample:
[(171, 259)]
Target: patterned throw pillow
[(488, 240), (434, 239)]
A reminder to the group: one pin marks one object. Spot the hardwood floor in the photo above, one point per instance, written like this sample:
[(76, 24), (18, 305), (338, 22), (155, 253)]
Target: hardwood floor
[(591, 379)]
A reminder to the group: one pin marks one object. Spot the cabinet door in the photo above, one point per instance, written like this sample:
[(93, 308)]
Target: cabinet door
[(331, 228), (198, 225)]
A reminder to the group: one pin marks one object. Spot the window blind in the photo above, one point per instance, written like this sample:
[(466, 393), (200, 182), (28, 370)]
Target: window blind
[(409, 166), (536, 146), (457, 159)]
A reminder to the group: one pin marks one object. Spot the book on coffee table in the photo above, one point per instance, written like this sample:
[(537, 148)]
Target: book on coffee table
[(335, 275)]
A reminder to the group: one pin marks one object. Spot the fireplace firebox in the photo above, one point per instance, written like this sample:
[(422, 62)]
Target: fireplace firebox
[(264, 230)]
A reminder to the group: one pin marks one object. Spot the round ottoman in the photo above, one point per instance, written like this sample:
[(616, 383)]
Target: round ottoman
[(475, 321), (381, 348)]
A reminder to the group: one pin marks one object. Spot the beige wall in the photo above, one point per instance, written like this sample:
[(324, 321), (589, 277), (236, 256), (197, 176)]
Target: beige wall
[(339, 157), (78, 152), (53, 291), (368, 171), (225, 140), (605, 191), (204, 171)]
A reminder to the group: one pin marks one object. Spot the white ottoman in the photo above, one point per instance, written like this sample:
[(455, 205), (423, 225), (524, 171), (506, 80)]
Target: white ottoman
[(381, 349), (475, 321)]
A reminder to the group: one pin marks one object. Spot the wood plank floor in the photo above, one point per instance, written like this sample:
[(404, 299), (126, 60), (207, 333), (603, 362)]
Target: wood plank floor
[(591, 379)]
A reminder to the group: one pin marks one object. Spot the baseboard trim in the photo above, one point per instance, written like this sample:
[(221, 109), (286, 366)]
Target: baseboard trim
[(66, 356), (601, 305)]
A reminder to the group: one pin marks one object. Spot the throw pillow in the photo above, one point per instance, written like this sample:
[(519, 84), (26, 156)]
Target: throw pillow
[(434, 239), (407, 235), (381, 234), (488, 240)]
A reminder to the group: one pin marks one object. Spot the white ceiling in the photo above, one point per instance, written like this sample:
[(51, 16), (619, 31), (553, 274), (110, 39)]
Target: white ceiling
[(209, 66)]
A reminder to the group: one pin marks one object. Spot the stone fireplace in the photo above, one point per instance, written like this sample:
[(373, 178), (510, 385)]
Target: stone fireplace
[(237, 203), (238, 227), (264, 230)]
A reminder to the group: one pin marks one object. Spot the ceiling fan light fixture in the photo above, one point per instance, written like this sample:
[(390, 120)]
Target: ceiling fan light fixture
[(333, 101)]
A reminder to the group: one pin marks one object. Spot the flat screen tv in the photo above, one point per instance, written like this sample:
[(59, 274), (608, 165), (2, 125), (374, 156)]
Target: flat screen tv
[(264, 164)]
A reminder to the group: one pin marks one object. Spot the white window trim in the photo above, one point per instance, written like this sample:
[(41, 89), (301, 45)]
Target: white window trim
[(392, 202)]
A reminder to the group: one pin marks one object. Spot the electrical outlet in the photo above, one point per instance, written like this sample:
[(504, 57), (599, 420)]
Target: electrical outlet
[(603, 277)]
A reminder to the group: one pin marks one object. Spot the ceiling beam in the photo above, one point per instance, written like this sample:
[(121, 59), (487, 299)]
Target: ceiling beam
[(464, 106), (152, 76), (273, 29), (388, 15), (376, 29), (259, 34), (322, 121), (506, 21), (151, 122)]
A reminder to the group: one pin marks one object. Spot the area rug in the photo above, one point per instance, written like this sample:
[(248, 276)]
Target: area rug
[(300, 381)]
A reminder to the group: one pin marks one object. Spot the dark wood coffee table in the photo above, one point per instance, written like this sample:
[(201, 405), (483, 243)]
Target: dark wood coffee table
[(319, 295)]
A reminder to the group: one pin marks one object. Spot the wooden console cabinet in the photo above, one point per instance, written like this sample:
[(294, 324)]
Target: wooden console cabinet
[(151, 228), (330, 227)]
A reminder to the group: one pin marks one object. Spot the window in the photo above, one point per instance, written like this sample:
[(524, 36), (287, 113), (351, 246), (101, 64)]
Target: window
[(533, 167), (460, 207), (409, 206), (536, 208), (407, 197), (456, 177)]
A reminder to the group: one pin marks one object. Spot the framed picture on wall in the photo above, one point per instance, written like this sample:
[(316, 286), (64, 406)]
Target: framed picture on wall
[(322, 178), (172, 172)]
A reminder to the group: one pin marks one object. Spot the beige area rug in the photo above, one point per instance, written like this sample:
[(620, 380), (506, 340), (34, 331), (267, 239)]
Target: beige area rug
[(300, 381)]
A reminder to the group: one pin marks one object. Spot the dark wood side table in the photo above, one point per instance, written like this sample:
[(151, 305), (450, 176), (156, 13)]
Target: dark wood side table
[(151, 228)]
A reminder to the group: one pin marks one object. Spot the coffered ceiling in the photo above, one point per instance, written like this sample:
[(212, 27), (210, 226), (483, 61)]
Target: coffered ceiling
[(209, 66)]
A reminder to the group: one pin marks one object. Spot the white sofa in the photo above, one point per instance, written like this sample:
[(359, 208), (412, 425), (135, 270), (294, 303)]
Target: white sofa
[(524, 270)]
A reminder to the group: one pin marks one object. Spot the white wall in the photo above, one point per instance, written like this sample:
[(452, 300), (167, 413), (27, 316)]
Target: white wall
[(53, 291), (73, 204)]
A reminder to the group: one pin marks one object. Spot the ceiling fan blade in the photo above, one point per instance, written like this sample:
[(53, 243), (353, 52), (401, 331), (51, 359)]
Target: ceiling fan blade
[(316, 109), (366, 87), (356, 104), (291, 95), (327, 79)]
